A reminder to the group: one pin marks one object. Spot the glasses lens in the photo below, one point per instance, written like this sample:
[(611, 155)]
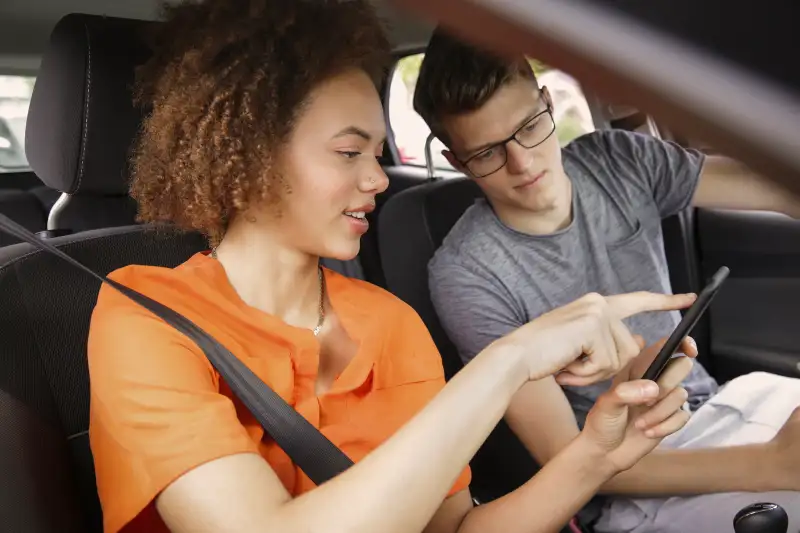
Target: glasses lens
[(536, 131), (488, 161), (530, 135)]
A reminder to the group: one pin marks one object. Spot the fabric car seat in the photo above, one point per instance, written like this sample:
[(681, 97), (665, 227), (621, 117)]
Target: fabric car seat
[(413, 225), (80, 129), (23, 208), (82, 120)]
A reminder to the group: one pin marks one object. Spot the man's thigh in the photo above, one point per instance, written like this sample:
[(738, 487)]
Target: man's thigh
[(714, 513), (748, 410)]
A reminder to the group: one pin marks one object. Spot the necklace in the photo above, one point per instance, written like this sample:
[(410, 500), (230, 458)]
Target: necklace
[(321, 311)]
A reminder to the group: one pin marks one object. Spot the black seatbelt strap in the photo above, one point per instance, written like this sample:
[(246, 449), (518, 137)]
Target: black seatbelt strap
[(309, 449)]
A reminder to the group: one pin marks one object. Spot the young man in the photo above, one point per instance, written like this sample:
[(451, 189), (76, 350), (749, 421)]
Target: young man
[(559, 223)]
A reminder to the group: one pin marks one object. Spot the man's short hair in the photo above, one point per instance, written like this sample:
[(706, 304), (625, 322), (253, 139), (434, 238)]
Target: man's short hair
[(456, 78)]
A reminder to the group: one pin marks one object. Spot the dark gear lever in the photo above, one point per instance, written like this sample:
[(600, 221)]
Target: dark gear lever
[(761, 518)]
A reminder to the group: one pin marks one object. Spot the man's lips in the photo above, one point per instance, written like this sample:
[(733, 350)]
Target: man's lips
[(532, 181)]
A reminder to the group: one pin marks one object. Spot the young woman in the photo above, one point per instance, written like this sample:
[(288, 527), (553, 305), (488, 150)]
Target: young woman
[(264, 132)]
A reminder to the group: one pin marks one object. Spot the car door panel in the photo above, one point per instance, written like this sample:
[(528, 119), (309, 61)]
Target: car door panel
[(755, 318)]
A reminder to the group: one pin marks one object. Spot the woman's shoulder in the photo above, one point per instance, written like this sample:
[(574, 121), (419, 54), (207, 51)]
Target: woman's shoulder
[(366, 294), (179, 286), (377, 308)]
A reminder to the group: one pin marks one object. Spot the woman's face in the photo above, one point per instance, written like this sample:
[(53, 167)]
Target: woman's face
[(331, 169)]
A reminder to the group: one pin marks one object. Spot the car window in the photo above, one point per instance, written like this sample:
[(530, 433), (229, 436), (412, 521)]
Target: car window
[(15, 98), (571, 111)]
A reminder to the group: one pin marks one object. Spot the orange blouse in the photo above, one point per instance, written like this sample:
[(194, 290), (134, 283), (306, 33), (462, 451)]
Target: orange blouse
[(159, 409)]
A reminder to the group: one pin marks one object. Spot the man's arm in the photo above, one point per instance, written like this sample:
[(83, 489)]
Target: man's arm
[(726, 184), (661, 473), (676, 177), (474, 314)]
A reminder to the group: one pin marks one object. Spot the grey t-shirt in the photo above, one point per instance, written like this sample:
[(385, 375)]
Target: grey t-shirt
[(488, 279)]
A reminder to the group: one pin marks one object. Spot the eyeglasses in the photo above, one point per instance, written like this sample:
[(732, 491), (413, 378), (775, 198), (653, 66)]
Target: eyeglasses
[(533, 133)]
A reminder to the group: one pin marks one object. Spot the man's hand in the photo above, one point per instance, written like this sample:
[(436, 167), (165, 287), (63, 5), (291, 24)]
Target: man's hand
[(630, 420), (787, 452)]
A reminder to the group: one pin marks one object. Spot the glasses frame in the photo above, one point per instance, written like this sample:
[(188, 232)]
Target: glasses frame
[(513, 137)]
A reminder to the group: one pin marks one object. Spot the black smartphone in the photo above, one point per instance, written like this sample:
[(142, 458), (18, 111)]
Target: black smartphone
[(686, 325)]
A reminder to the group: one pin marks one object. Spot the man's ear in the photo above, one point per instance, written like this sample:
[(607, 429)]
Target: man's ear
[(547, 98), (451, 158)]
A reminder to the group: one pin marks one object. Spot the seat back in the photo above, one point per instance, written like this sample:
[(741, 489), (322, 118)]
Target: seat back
[(46, 473), (24, 208), (413, 225), (81, 125), (82, 120)]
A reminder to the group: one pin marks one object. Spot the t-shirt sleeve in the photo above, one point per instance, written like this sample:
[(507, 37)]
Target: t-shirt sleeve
[(668, 172), (473, 311), (156, 412)]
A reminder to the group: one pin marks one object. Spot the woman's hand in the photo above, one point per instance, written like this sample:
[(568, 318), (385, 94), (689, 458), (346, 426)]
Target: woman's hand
[(585, 341), (632, 418)]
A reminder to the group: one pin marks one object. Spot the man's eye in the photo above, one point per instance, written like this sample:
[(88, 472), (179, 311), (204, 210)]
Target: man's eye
[(483, 156), (532, 125)]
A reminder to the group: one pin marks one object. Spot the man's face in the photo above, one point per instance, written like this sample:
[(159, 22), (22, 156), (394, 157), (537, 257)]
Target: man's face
[(532, 178)]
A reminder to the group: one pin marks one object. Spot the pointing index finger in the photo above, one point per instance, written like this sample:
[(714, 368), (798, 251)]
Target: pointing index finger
[(632, 303)]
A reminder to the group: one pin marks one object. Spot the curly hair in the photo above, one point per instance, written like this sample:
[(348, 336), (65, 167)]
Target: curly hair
[(224, 88)]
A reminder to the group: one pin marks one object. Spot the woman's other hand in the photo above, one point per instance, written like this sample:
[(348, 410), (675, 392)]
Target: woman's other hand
[(633, 417)]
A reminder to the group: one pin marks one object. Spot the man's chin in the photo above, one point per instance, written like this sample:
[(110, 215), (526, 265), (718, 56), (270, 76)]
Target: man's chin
[(539, 204)]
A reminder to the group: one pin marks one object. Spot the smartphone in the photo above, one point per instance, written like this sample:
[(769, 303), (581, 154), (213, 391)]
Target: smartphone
[(687, 324)]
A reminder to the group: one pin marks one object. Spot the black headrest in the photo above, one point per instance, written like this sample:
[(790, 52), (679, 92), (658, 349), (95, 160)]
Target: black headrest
[(445, 203), (81, 121), (412, 226)]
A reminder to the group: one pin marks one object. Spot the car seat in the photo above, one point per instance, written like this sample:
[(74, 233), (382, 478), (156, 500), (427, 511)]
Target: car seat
[(78, 138)]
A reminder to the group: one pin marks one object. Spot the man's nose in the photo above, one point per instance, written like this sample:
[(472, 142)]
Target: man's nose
[(519, 158)]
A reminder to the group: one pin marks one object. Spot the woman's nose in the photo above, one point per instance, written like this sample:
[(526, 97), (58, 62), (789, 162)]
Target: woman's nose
[(376, 180)]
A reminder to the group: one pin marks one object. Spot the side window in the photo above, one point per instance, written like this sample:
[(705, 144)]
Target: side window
[(410, 131), (570, 110), (15, 98)]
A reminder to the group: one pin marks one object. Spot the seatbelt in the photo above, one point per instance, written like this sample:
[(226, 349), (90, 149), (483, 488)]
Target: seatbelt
[(309, 449)]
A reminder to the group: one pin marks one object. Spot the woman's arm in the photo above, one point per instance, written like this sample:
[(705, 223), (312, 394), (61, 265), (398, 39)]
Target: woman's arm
[(400, 485), (397, 488), (610, 443), (542, 505)]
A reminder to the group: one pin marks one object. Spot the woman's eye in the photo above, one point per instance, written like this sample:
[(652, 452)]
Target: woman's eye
[(350, 155)]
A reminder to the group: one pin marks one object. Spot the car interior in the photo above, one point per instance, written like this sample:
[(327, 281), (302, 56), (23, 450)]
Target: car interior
[(80, 125)]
